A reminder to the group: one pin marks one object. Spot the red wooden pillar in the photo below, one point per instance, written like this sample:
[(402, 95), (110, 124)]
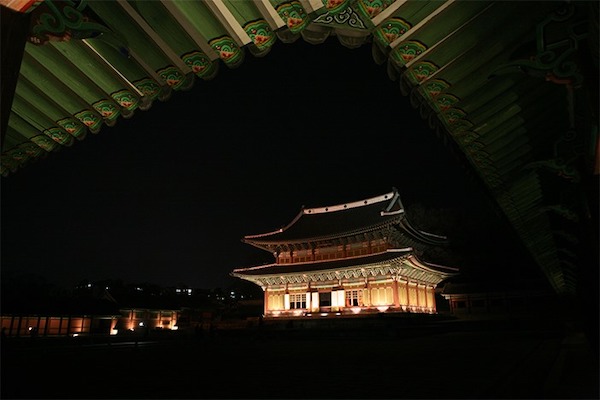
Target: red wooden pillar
[(266, 302), (396, 294)]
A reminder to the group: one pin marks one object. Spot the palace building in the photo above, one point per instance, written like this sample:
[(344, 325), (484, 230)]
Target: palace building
[(361, 257)]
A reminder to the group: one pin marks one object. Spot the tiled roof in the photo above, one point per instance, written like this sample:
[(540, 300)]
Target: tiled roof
[(275, 269), (333, 221)]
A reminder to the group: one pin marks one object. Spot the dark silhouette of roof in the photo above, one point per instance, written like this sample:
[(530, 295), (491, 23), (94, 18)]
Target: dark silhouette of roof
[(342, 220)]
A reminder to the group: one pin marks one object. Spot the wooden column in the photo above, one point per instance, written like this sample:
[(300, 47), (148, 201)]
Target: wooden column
[(396, 294), (12, 324), (266, 302), (19, 326)]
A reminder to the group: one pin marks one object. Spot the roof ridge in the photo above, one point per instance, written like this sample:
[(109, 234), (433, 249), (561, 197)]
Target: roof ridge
[(354, 204)]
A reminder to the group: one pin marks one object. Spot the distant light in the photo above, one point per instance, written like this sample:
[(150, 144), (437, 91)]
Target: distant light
[(189, 290), (75, 334), (141, 323), (383, 309), (356, 310), (174, 328), (323, 314), (114, 331), (107, 288), (30, 328), (89, 285)]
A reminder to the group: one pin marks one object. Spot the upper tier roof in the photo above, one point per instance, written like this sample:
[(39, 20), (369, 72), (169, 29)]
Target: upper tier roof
[(323, 223)]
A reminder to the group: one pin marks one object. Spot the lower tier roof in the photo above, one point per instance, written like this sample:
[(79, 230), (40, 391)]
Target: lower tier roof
[(399, 263)]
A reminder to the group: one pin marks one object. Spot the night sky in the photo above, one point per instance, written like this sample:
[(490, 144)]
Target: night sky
[(166, 196)]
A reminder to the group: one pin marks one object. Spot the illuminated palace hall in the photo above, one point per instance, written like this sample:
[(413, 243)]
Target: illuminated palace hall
[(358, 257)]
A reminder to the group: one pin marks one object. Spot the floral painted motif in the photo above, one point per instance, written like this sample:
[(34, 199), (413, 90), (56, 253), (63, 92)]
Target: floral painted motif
[(17, 154), (455, 120), (31, 149), (445, 102), (44, 142), (465, 137), (372, 8), (107, 109), (59, 136), (481, 159), (294, 16), (126, 99), (89, 119), (335, 6), (260, 33), (148, 87), (9, 163), (407, 51), (199, 63), (391, 30), (229, 52), (433, 87), (421, 71), (72, 126), (172, 76)]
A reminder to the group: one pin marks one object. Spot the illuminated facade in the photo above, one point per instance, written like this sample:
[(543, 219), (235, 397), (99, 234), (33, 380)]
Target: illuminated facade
[(129, 320), (355, 258), (57, 325), (143, 319)]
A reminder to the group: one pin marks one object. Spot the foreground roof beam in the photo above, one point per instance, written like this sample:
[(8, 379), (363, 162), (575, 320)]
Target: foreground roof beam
[(269, 14), (164, 47), (421, 24), (388, 12), (226, 18), (31, 133), (312, 5), (452, 34), (193, 33), (122, 78)]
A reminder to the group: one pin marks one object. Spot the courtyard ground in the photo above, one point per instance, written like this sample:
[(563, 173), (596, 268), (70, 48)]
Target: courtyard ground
[(442, 360)]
